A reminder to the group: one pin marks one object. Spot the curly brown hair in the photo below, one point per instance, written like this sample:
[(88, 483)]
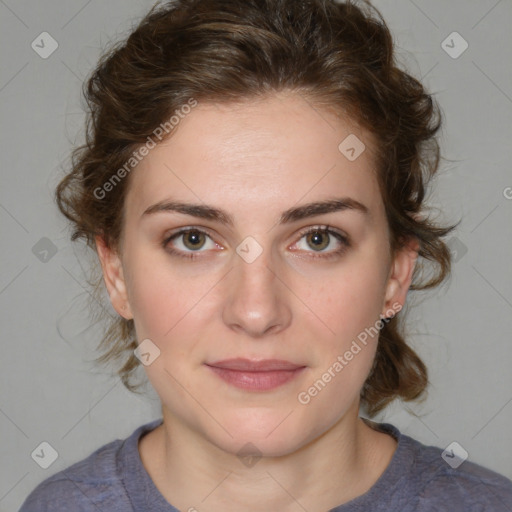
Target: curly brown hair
[(338, 55)]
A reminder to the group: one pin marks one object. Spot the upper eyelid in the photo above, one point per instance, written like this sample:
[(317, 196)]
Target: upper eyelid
[(324, 227), (182, 231)]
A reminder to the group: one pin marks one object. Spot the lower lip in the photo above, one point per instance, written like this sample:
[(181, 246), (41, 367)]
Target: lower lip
[(256, 381)]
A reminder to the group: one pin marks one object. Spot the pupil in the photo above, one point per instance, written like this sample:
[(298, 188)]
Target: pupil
[(317, 239), (194, 238)]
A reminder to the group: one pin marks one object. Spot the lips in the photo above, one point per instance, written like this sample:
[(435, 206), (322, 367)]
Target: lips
[(246, 365), (256, 376)]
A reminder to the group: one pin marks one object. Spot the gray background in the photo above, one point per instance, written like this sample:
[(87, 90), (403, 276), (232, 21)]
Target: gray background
[(50, 390)]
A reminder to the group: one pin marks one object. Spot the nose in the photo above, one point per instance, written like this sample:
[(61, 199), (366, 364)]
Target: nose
[(258, 298)]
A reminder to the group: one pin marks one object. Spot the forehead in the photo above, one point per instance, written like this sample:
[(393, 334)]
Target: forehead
[(264, 154)]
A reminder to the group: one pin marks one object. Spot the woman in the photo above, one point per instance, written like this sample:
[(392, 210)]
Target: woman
[(253, 182)]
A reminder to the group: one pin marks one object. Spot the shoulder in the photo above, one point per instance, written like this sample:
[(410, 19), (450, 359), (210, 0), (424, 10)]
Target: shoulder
[(83, 485), (470, 487), (444, 482), (423, 478), (92, 484)]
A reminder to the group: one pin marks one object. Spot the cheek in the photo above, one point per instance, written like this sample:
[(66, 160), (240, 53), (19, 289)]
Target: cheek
[(164, 299), (351, 301), (350, 306), (154, 295)]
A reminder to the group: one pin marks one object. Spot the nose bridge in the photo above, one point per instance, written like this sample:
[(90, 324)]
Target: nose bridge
[(257, 297)]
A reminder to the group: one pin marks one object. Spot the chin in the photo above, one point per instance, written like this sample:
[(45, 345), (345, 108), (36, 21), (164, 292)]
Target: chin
[(246, 445), (270, 434)]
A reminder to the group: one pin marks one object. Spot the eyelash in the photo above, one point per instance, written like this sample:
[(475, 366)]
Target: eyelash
[(324, 229)]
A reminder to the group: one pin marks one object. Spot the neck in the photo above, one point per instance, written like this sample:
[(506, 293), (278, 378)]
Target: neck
[(193, 473)]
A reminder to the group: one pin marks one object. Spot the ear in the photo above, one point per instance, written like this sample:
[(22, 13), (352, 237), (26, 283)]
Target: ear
[(114, 279), (400, 275)]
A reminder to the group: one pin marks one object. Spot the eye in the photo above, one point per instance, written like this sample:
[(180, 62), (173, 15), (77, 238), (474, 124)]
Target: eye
[(322, 237), (188, 241)]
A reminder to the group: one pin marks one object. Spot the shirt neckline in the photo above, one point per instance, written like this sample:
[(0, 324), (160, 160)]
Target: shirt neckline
[(144, 494), (396, 475)]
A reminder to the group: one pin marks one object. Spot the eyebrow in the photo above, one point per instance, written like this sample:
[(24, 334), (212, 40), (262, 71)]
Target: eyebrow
[(291, 215)]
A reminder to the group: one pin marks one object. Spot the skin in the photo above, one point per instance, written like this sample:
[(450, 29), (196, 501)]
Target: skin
[(256, 159)]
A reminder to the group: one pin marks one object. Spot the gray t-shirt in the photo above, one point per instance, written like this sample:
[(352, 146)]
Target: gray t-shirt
[(113, 479)]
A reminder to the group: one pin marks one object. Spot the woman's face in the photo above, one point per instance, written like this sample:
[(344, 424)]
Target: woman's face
[(249, 282)]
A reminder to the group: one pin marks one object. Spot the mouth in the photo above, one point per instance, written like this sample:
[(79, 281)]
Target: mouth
[(262, 375)]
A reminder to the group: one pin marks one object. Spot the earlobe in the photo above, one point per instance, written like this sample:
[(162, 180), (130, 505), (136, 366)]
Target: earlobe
[(400, 276), (114, 278)]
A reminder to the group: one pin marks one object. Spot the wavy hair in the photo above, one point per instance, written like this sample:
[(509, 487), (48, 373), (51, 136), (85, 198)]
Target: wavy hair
[(339, 55)]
